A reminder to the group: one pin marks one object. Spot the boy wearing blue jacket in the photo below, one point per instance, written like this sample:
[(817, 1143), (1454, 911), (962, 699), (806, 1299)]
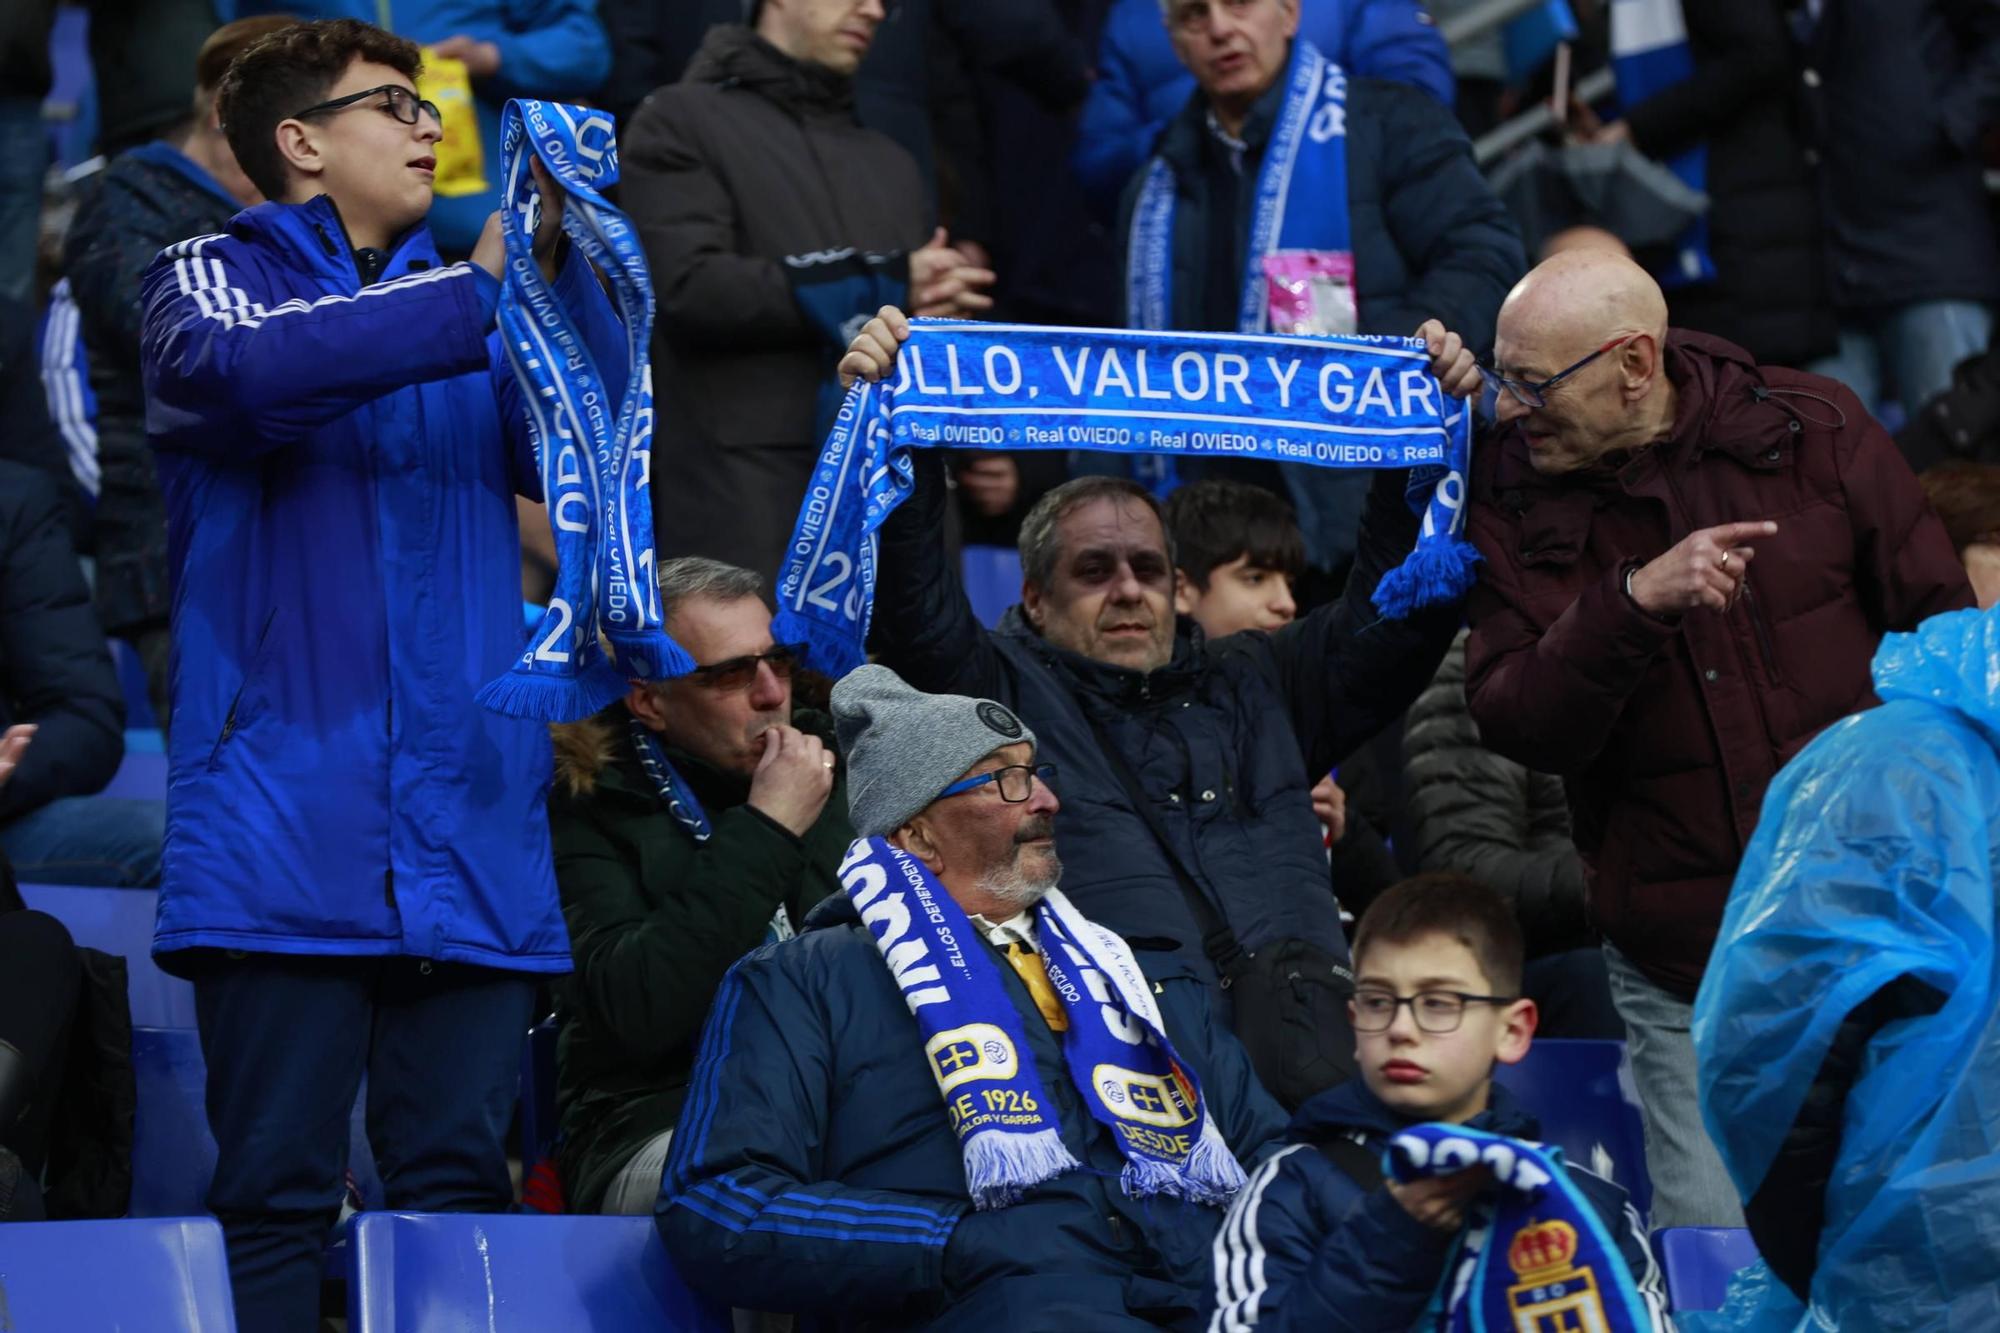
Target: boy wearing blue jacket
[(1317, 1240), (357, 875)]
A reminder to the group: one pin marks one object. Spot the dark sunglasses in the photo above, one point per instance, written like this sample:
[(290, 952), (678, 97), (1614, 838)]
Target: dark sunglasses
[(738, 672), (403, 104), (1534, 393)]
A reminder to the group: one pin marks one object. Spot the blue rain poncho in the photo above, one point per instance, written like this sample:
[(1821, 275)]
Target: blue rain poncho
[(1874, 860)]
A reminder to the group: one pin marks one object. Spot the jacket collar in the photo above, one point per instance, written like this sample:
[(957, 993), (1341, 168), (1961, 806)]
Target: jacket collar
[(311, 236), (159, 153), (1352, 1108), (1122, 685), (733, 56)]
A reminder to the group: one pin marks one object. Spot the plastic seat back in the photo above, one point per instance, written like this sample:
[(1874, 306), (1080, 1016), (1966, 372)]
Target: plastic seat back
[(120, 921), (1700, 1261), (163, 1274), (516, 1273), (1583, 1094)]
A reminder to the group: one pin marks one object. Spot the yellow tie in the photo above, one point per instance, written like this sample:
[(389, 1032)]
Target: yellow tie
[(1027, 964)]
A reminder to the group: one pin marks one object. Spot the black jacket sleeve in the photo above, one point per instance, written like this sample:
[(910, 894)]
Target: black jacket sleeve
[(1788, 1211), (55, 670), (1746, 51), (1025, 42), (924, 629), (1345, 670), (27, 434)]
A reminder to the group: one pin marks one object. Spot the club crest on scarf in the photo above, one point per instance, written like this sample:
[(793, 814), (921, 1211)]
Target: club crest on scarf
[(1358, 402), (592, 425), (1116, 1051), (1564, 1272)]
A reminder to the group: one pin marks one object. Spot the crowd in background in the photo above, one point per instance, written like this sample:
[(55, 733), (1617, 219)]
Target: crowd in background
[(1640, 264)]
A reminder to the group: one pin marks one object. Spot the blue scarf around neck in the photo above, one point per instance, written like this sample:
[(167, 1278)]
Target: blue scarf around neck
[(1120, 1061), (592, 427), (1534, 1253), (1361, 402)]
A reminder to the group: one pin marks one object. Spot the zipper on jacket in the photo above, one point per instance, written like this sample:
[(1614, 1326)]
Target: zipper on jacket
[(229, 719), (1765, 643)]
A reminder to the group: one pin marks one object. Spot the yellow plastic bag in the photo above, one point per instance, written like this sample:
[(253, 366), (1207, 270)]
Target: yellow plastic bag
[(461, 162)]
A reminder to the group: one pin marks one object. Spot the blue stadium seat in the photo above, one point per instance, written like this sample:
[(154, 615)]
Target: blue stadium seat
[(164, 1275), (992, 577), (1582, 1093), (1699, 1261), (141, 777), (120, 921), (173, 1156), (538, 1094), (461, 1273)]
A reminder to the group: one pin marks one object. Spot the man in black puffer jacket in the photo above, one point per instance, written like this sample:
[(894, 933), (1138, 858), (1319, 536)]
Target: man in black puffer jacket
[(1224, 738), (771, 221), (182, 185)]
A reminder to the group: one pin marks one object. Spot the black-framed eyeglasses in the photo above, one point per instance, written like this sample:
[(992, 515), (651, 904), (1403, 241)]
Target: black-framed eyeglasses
[(403, 104), (738, 672), (1435, 1011), (1016, 782), (1534, 393)]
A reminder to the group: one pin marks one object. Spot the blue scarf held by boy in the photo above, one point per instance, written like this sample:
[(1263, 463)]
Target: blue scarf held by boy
[(1547, 1262), (1360, 402), (1119, 1058), (592, 426)]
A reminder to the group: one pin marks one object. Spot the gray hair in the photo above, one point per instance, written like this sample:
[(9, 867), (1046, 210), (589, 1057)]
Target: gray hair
[(1039, 549), (690, 576)]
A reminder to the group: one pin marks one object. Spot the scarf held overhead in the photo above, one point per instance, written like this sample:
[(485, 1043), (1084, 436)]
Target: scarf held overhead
[(1546, 1261), (1361, 402), (1119, 1058), (592, 426)]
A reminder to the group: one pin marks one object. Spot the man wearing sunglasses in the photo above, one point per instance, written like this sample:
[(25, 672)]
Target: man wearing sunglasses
[(1689, 561), (357, 872), (693, 820)]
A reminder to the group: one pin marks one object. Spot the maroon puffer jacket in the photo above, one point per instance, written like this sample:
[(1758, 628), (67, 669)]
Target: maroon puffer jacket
[(1667, 734)]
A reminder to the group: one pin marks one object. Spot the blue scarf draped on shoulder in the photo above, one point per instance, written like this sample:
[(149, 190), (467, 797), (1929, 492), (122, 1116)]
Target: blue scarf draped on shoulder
[(1362, 402), (1534, 1254), (592, 427)]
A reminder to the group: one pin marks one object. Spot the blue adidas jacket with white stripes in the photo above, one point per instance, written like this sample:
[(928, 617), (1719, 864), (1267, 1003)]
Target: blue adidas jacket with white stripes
[(340, 463), (814, 1168), (1305, 1247)]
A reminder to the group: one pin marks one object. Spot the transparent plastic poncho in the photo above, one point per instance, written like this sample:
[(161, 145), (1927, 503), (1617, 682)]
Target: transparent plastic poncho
[(1874, 860)]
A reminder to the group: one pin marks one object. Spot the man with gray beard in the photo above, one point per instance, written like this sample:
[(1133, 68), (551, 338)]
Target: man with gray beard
[(952, 1101)]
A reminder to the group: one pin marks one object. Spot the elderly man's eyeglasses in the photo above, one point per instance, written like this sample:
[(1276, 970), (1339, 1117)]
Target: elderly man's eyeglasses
[(738, 672), (401, 103), (1534, 393), (1436, 1011), (1016, 781)]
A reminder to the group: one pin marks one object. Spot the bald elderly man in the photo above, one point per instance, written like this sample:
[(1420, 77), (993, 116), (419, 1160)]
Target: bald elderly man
[(1689, 560)]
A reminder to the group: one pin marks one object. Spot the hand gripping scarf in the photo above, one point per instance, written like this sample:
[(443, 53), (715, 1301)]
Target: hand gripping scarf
[(1547, 1261), (1367, 402), (1119, 1058), (593, 431)]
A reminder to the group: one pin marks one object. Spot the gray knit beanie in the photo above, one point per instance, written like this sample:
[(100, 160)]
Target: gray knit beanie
[(903, 746)]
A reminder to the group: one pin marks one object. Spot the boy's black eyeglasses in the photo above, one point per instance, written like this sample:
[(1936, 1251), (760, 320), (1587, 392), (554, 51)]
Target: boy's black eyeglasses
[(1534, 393), (1436, 1011), (1016, 781), (737, 672), (403, 104)]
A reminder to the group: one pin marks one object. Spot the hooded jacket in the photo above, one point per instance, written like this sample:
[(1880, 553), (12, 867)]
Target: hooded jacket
[(1308, 1249), (815, 1170), (655, 919), (755, 191), (1668, 731), (1225, 740), (339, 463), (1848, 1031)]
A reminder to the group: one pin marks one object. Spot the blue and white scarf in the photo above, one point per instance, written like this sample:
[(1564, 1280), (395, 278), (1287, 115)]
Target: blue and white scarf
[(1119, 1058), (1301, 201), (592, 426), (1367, 402), (1649, 54), (1534, 1254)]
